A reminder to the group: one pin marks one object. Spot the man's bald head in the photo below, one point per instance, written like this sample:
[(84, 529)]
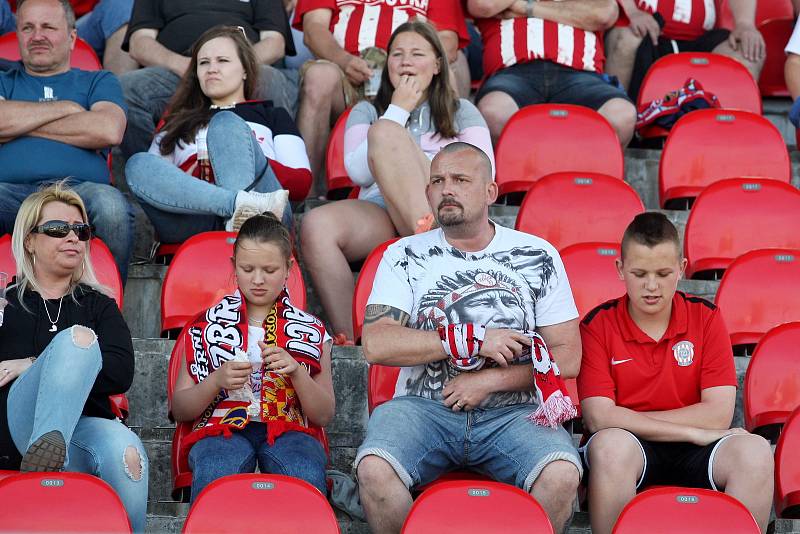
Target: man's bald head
[(460, 146)]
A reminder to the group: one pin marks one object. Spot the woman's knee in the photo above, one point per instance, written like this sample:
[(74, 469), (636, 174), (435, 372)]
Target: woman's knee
[(224, 121), (76, 339), (321, 229)]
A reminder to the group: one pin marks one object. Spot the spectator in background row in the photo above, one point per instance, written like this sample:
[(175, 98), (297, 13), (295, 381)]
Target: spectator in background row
[(247, 144), (64, 348), (688, 26), (658, 388), (388, 148), (547, 52), (7, 21), (444, 416), (339, 33), (58, 122), (102, 24), (791, 71), (160, 37)]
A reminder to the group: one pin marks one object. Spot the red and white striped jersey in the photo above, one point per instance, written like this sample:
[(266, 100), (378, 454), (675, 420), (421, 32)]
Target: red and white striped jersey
[(360, 24), (684, 20), (511, 41)]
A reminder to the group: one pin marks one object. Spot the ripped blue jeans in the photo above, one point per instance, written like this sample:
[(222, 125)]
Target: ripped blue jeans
[(50, 395)]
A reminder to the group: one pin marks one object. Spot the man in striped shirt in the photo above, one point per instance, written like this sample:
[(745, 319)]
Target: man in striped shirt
[(338, 32), (687, 26), (547, 51)]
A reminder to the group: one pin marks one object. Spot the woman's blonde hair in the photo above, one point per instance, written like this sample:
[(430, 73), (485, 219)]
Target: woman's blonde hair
[(27, 218)]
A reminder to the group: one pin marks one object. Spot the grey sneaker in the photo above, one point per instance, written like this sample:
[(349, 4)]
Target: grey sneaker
[(45, 454), (250, 203)]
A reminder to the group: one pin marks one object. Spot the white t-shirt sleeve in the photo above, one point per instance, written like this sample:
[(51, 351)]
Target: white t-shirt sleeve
[(557, 305), (391, 286), (793, 46)]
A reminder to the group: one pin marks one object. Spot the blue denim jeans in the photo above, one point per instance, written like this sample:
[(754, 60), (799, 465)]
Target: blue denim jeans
[(50, 395), (179, 205), (422, 439), (148, 91), (294, 454), (109, 211), (107, 16)]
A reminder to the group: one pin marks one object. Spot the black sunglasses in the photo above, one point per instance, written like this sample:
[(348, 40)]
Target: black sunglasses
[(62, 229)]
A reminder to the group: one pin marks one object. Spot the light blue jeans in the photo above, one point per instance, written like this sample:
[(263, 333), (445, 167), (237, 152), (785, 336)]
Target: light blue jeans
[(294, 454), (107, 16), (50, 395), (179, 205), (109, 211)]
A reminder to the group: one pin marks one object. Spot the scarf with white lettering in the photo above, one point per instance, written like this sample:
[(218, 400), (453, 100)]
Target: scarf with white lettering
[(555, 406), (216, 334)]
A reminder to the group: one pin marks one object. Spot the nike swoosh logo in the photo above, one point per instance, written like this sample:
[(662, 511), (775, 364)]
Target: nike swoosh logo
[(617, 362)]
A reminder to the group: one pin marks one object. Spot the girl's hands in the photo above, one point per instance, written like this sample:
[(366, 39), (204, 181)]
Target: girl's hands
[(407, 94), (232, 375), (278, 360)]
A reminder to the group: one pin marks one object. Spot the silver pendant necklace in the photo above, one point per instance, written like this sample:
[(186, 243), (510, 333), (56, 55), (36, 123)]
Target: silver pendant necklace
[(53, 327)]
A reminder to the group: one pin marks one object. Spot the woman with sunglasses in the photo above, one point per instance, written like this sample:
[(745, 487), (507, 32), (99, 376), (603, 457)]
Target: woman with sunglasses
[(64, 348), (218, 157)]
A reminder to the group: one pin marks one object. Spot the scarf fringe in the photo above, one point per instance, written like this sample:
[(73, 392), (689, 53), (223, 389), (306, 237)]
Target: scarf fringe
[(557, 409), (276, 427)]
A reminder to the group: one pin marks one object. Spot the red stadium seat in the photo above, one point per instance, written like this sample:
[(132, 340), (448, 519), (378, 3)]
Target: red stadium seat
[(725, 77), (734, 216), (787, 469), (181, 472), (776, 34), (772, 382), (60, 502), (760, 290), (765, 9), (546, 138), (709, 145), (83, 56), (339, 183), (5, 473), (381, 381), (668, 510), (592, 274), (566, 208), (290, 505), (364, 286), (482, 506), (104, 265), (201, 273)]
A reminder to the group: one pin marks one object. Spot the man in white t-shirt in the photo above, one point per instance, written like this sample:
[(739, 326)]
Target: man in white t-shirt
[(471, 286)]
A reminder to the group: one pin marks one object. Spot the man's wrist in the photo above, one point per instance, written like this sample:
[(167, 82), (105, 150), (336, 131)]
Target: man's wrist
[(529, 8)]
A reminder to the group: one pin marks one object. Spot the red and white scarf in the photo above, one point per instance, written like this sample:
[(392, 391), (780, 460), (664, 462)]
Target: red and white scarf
[(555, 406), (213, 338)]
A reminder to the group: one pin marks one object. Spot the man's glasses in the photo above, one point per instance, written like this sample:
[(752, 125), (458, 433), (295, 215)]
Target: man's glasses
[(63, 228)]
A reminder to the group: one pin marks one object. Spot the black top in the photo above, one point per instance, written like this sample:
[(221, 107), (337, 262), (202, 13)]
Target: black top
[(181, 22), (26, 333)]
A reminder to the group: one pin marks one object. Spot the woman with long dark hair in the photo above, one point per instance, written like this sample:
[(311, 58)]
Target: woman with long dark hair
[(218, 157), (388, 147)]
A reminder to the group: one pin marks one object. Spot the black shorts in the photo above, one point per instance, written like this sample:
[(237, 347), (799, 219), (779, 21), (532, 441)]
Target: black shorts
[(672, 464), (705, 43)]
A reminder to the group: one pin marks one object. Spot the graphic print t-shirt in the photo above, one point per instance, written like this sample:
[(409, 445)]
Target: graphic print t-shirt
[(518, 282)]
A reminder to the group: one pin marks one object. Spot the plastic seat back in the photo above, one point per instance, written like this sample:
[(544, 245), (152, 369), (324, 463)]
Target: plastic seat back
[(60, 502), (82, 56), (381, 382), (546, 138), (787, 469), (734, 216), (772, 382), (201, 273), (339, 183), (227, 505), (725, 77), (482, 506), (667, 510), (751, 289), (104, 265), (765, 9), (709, 145), (776, 33), (566, 208), (592, 274), (364, 286)]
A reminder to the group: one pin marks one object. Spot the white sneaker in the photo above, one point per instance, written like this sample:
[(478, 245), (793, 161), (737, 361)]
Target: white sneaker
[(250, 203)]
